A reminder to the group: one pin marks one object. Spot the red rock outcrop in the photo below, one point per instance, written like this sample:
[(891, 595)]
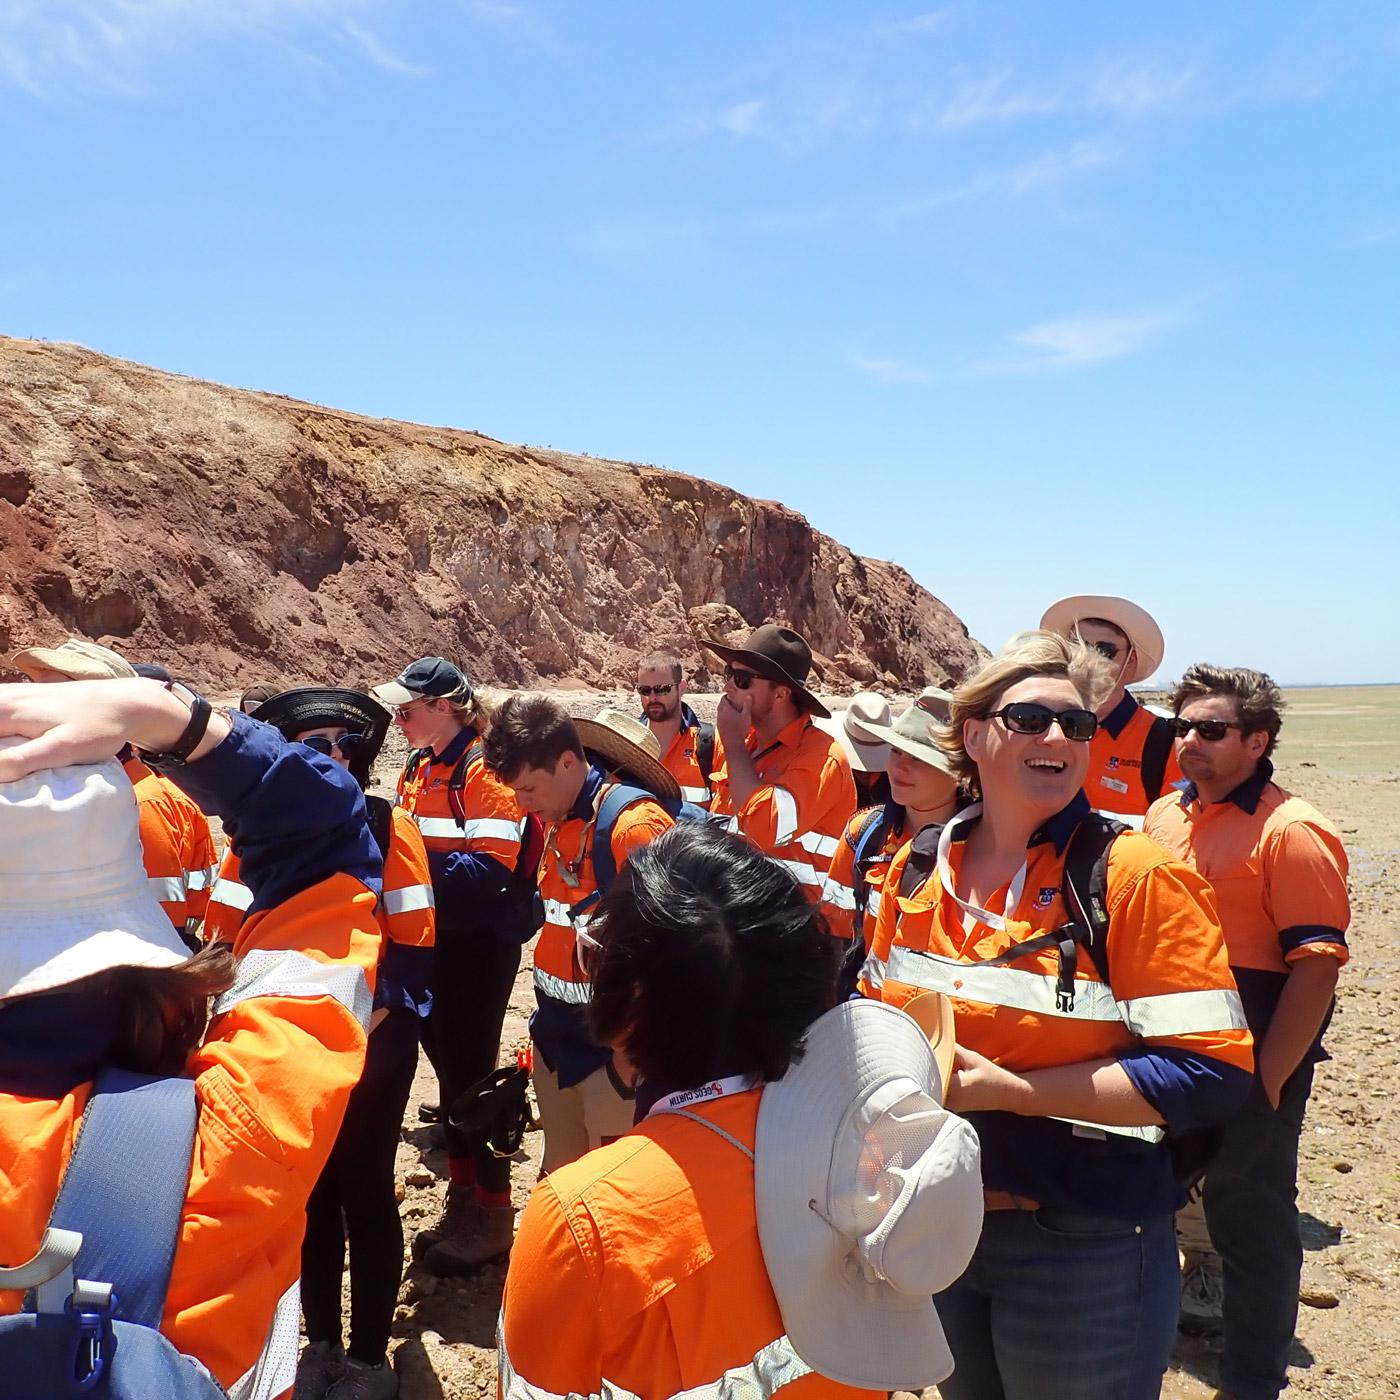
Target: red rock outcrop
[(240, 536)]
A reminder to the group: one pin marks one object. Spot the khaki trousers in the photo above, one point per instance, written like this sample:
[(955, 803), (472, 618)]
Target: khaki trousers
[(578, 1119)]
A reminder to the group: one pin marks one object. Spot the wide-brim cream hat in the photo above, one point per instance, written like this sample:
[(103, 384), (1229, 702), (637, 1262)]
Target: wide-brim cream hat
[(627, 745), (1136, 623), (75, 660), (74, 897), (869, 1199), (916, 731), (848, 727)]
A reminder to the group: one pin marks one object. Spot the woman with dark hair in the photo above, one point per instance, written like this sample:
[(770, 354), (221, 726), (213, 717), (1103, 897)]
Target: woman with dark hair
[(353, 1201), (654, 1265)]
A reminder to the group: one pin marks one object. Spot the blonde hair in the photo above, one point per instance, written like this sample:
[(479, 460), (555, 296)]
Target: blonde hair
[(478, 708), (1027, 654)]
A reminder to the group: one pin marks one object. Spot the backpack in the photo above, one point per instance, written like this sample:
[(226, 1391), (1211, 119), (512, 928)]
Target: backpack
[(521, 913), (1155, 753), (868, 844), (97, 1286)]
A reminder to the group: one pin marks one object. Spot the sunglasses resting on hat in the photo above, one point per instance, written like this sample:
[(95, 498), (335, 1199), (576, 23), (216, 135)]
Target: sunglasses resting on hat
[(1026, 717)]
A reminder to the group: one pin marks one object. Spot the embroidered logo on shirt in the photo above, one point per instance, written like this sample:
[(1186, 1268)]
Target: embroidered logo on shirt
[(1046, 897)]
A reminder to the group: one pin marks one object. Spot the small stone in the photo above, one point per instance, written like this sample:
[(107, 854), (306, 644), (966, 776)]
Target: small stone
[(1316, 1296), (1343, 1167), (399, 1191), (419, 1176)]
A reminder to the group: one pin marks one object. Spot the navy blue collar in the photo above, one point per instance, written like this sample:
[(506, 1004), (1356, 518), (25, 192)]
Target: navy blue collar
[(583, 803), (1246, 796), (457, 746), (1062, 825), (1120, 716)]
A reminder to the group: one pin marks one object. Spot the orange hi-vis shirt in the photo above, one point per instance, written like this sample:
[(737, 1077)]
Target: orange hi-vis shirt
[(566, 878), (638, 1275), (404, 912), (799, 812), (839, 894), (1279, 872), (1114, 782), (177, 845), (682, 761), (491, 818), (1172, 996)]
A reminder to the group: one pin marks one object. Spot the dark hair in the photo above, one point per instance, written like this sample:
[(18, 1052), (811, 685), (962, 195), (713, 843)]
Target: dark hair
[(661, 661), (528, 731), (1258, 703), (713, 961)]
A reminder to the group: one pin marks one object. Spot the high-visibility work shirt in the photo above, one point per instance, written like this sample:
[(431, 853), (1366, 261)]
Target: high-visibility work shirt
[(1114, 783), (839, 891), (805, 798), (567, 879), (177, 845), (284, 1047), (1279, 872), (637, 1274), (1171, 1017), (682, 760)]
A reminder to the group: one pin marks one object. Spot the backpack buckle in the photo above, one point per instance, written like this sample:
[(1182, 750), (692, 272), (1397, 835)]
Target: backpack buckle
[(90, 1308)]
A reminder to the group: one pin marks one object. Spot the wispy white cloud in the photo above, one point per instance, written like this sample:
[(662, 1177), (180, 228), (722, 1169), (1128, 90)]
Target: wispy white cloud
[(1373, 233), (914, 26), (520, 24), (888, 369), (1075, 342), (379, 53)]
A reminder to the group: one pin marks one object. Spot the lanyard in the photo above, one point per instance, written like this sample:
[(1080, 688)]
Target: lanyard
[(706, 1093), (972, 913)]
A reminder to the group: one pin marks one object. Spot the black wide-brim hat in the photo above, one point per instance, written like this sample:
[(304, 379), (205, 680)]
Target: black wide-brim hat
[(311, 706), (777, 654)]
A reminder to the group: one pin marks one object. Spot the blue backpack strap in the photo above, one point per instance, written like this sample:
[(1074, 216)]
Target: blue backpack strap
[(125, 1187), (870, 838), (614, 802)]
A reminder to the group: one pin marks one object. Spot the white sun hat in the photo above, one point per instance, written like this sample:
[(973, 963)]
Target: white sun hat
[(1134, 622), (867, 755), (77, 659), (869, 1199), (74, 899)]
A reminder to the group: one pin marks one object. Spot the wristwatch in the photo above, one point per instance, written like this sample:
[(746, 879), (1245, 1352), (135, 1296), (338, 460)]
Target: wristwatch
[(188, 742)]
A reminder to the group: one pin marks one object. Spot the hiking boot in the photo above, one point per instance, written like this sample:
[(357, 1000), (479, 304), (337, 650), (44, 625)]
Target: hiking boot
[(1202, 1293), (319, 1367), (461, 1218), (361, 1382), (429, 1112), (492, 1240)]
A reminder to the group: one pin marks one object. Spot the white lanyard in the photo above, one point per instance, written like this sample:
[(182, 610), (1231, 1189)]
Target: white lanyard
[(706, 1093), (972, 913)]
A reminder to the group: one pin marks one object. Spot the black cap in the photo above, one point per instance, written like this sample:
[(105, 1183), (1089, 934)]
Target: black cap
[(431, 676)]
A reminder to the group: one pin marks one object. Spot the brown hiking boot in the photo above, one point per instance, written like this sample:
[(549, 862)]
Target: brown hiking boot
[(452, 1258), (461, 1218)]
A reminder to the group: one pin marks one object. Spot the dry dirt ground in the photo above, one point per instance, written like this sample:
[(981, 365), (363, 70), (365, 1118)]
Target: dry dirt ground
[(1342, 752)]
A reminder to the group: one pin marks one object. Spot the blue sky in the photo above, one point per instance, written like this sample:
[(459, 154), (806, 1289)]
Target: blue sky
[(1032, 298)]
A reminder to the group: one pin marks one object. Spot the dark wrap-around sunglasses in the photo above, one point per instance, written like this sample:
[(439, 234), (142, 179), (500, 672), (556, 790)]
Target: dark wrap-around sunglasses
[(1211, 730), (1026, 717), (348, 744)]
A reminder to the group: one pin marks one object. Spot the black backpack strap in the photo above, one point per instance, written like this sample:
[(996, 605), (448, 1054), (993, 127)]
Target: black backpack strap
[(1155, 753), (410, 767), (124, 1188), (705, 749), (1084, 887), (457, 783), (923, 858), (379, 816)]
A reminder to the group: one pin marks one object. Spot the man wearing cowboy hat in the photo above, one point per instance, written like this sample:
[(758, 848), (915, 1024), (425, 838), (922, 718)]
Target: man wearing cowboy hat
[(1131, 756), (781, 781), (563, 771)]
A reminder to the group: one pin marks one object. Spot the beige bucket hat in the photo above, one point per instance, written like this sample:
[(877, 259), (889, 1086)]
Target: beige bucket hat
[(916, 731), (76, 660), (848, 728), (1136, 623), (625, 744)]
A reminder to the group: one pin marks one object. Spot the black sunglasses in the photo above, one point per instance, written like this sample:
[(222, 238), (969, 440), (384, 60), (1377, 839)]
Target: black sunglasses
[(1026, 717), (1211, 730), (348, 744), (1107, 649), (743, 679), (645, 690)]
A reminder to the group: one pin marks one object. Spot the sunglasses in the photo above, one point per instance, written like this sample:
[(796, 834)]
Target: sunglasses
[(1211, 730), (741, 678), (348, 744), (1029, 718), (1109, 650), (588, 952), (645, 690)]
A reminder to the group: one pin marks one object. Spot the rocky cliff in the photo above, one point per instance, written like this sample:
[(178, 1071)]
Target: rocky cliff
[(242, 536)]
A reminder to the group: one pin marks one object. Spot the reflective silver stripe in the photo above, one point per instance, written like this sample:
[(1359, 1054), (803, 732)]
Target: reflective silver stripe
[(201, 879), (407, 898), (477, 829), (1146, 1134), (775, 1366), (557, 912), (1000, 986), (169, 889), (1183, 1013), (872, 972), (699, 796), (1131, 819), (818, 844), (785, 805), (872, 902), (575, 993), (275, 1370), (267, 972), (839, 895), (230, 892), (803, 873), (729, 824)]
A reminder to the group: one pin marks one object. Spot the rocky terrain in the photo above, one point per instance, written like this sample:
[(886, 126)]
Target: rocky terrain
[(242, 536)]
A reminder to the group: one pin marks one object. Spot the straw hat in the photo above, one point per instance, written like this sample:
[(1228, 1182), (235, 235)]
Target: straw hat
[(74, 898), (778, 654), (848, 728), (627, 745), (869, 1199), (76, 660), (916, 731), (1136, 623)]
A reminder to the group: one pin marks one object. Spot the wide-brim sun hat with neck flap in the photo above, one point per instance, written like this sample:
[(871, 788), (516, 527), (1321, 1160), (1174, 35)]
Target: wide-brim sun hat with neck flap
[(849, 728), (869, 1198), (1135, 623), (916, 731), (626, 745)]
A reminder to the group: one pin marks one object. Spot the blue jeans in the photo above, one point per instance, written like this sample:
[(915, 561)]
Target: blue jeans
[(1059, 1305), (1251, 1203)]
